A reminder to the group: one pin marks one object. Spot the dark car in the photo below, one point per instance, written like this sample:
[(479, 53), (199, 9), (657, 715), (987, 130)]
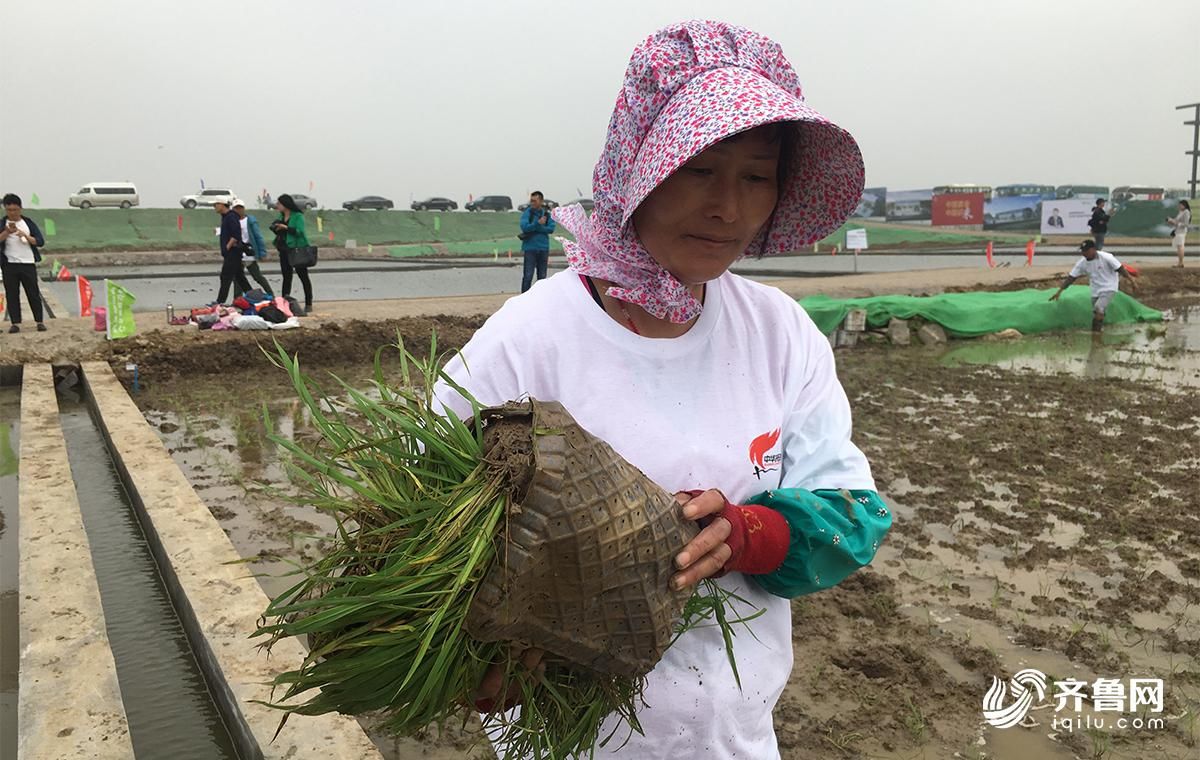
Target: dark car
[(434, 204), (306, 203), (377, 202), (546, 203), (490, 203)]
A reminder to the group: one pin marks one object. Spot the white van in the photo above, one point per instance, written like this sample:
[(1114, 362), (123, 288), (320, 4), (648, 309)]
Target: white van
[(122, 194)]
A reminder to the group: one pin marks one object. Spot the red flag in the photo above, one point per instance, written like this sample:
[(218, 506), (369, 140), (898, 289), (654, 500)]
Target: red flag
[(988, 252), (179, 222), (1030, 249), (85, 296), (331, 234), (64, 274)]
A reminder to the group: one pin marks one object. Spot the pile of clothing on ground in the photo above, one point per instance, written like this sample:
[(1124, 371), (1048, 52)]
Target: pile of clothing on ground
[(254, 310)]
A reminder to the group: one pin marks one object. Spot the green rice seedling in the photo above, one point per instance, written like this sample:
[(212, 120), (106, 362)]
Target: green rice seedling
[(422, 508)]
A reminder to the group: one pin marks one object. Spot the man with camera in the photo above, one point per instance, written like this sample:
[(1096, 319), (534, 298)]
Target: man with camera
[(20, 240), (536, 228)]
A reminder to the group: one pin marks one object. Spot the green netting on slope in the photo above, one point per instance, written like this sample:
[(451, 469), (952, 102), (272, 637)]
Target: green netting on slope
[(159, 229), (971, 314), (463, 233)]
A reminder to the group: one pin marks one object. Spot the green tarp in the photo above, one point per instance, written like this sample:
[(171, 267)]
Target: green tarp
[(971, 314)]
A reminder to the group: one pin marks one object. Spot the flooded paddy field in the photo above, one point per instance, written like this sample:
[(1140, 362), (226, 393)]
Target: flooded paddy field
[(1048, 517)]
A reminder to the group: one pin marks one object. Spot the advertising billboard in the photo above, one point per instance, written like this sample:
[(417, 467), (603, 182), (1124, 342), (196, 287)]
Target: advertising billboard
[(960, 209), (909, 205), (872, 204), (1067, 216), (1014, 212)]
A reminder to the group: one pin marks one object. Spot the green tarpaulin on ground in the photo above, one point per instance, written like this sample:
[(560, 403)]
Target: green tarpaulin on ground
[(971, 314)]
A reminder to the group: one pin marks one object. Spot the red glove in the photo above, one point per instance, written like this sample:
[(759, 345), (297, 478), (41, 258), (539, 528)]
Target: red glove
[(759, 537)]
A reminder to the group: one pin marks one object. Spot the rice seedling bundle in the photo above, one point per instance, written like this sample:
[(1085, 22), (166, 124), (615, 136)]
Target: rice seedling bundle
[(462, 543)]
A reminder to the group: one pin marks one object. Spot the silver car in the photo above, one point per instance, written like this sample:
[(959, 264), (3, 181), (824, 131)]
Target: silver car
[(208, 197)]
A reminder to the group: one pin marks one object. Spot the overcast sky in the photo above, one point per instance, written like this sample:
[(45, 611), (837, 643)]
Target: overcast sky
[(410, 99)]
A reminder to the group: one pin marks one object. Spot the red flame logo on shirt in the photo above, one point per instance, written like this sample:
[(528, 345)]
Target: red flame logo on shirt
[(758, 452)]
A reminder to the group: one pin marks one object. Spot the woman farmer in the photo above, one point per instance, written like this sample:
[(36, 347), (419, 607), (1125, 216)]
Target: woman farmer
[(720, 389), (289, 234)]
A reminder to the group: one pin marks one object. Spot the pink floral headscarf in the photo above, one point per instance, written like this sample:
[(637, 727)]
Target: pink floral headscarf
[(687, 87)]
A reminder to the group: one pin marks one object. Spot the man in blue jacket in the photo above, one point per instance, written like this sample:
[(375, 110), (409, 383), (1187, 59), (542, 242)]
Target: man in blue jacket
[(231, 251), (254, 248), (536, 228), (20, 240)]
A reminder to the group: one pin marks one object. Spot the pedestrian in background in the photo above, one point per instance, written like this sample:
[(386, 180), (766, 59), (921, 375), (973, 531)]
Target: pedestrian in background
[(231, 251), (536, 228), (289, 235), (1099, 223), (254, 247), (1179, 228), (19, 243)]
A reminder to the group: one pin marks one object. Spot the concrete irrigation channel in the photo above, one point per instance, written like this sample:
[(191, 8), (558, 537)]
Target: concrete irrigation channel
[(126, 610)]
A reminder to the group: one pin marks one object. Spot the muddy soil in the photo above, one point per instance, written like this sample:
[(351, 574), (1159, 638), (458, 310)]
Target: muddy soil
[(1152, 282), (1044, 521)]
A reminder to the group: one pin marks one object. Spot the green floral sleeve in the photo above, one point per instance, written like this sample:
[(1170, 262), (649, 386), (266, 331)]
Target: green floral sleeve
[(833, 533)]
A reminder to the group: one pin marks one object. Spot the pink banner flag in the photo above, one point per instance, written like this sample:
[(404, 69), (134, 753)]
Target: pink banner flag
[(85, 296)]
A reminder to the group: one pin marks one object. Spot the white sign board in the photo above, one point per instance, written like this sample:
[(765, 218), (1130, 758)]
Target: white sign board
[(1067, 216), (856, 240)]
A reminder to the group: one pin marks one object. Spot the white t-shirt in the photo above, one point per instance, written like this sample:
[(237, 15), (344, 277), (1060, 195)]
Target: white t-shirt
[(1101, 272), (245, 229), (686, 411), (16, 250)]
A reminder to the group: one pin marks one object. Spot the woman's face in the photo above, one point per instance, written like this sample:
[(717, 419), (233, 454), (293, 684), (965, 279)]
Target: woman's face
[(280, 207), (703, 217)]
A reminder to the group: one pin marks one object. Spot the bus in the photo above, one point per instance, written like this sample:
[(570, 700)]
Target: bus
[(963, 190), (1045, 192), (1126, 193), (1089, 192)]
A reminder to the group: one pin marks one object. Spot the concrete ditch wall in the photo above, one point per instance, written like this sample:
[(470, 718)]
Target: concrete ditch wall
[(69, 703), (218, 603)]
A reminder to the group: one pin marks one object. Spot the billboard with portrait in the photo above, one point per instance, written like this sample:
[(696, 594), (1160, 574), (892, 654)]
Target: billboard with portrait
[(1067, 216)]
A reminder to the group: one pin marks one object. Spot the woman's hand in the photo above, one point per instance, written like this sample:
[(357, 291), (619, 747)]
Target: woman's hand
[(706, 554), (487, 697)]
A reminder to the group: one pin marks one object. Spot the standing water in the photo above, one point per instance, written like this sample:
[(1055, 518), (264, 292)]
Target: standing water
[(170, 710)]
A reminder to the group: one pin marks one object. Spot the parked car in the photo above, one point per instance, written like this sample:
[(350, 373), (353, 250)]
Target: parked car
[(208, 197), (122, 194), (546, 203), (377, 202), (434, 204), (490, 203), (304, 202)]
